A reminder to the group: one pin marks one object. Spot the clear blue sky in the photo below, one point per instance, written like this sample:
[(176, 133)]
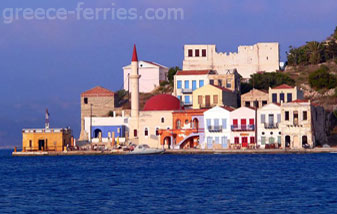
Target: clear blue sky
[(49, 63)]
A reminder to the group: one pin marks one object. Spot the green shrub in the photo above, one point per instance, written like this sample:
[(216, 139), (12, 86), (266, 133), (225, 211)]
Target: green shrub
[(322, 79), (164, 83), (265, 80)]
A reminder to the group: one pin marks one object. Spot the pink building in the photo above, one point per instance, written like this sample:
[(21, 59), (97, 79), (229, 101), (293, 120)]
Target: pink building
[(243, 128), (151, 74)]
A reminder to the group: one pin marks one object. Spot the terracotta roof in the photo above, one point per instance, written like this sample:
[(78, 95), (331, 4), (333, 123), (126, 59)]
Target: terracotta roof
[(255, 90), (98, 91), (228, 108), (163, 102), (194, 72), (201, 111), (300, 101), (134, 55), (283, 86)]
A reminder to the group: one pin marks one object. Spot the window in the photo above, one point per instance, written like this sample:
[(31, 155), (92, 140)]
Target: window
[(264, 102), (178, 124), (201, 83), (162, 120), (247, 103), (217, 140), (224, 123), (197, 53), (252, 139), (263, 140), (146, 132), (216, 122), (220, 83), (263, 118), (135, 133), (200, 100), (256, 104), (208, 123), (286, 116), (251, 122), (157, 131), (305, 115), (229, 83), (190, 53), (85, 100), (187, 84), (187, 100), (30, 143), (236, 140), (211, 82), (278, 118), (282, 97), (215, 99), (194, 85), (179, 86), (289, 97), (274, 98), (203, 52)]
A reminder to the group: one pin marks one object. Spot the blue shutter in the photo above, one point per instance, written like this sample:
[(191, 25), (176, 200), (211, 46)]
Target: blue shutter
[(263, 118), (187, 84), (201, 83), (179, 84), (224, 123), (194, 85)]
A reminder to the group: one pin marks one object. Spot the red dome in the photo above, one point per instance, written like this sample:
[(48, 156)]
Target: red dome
[(163, 102)]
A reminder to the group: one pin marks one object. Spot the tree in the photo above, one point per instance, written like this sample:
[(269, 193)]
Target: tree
[(331, 50), (265, 80), (322, 79), (334, 35), (314, 51), (172, 71)]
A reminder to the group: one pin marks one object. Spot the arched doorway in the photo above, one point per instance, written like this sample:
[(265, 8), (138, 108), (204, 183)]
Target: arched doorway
[(287, 141), (97, 133), (305, 141), (167, 141), (196, 124)]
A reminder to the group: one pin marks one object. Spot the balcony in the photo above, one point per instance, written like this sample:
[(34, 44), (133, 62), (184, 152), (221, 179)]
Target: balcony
[(271, 125), (243, 127), (186, 90), (215, 128)]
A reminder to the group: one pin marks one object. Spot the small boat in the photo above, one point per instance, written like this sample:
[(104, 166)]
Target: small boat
[(144, 149)]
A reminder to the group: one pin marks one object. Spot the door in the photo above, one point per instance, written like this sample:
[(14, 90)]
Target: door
[(209, 143), (270, 120), (208, 101), (244, 142), (235, 124), (243, 124), (224, 142), (41, 144)]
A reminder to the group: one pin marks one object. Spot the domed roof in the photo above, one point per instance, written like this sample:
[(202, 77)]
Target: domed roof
[(163, 102)]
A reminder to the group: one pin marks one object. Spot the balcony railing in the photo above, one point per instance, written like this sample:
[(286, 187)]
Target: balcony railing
[(271, 125), (215, 128), (243, 127), (186, 90)]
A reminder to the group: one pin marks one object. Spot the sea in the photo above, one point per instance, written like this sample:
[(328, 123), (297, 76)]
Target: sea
[(305, 183)]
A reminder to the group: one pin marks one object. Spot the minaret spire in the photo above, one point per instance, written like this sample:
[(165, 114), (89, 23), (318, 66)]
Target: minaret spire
[(134, 55), (134, 83)]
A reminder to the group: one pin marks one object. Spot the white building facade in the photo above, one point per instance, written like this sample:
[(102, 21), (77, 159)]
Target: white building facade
[(269, 126), (261, 57), (151, 74), (243, 128), (217, 128)]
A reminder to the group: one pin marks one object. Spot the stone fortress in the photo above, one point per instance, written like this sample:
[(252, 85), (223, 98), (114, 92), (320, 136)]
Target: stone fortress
[(261, 57)]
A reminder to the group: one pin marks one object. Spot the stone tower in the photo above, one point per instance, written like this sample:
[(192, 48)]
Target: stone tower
[(134, 85)]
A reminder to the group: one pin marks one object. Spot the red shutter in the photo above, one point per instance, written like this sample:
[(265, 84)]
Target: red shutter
[(236, 140), (235, 122), (252, 140), (251, 121), (243, 122)]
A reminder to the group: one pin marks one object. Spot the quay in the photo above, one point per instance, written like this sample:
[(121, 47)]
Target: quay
[(181, 152)]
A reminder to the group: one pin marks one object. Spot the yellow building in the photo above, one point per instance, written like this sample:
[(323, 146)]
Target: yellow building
[(254, 98), (46, 139), (209, 96), (284, 93)]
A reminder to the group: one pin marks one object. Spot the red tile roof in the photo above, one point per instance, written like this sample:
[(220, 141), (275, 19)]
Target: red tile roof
[(134, 55), (228, 108), (283, 86), (222, 88), (193, 72), (300, 101), (98, 91)]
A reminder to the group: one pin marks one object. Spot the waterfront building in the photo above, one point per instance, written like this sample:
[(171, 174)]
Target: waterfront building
[(185, 82), (254, 98), (151, 74), (47, 139), (187, 130), (296, 124), (243, 128), (248, 60), (217, 128), (284, 93), (209, 96), (107, 129), (269, 126), (96, 102)]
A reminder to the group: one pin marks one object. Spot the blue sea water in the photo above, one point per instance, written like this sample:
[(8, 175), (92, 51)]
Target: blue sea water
[(169, 184)]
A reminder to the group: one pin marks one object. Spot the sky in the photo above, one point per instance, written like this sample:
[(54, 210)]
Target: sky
[(48, 63)]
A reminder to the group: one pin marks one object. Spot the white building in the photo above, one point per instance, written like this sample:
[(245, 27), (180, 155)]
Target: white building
[(217, 128), (268, 126), (185, 82), (243, 127), (151, 74), (248, 60)]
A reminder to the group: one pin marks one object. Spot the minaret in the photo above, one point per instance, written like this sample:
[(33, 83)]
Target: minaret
[(134, 83)]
